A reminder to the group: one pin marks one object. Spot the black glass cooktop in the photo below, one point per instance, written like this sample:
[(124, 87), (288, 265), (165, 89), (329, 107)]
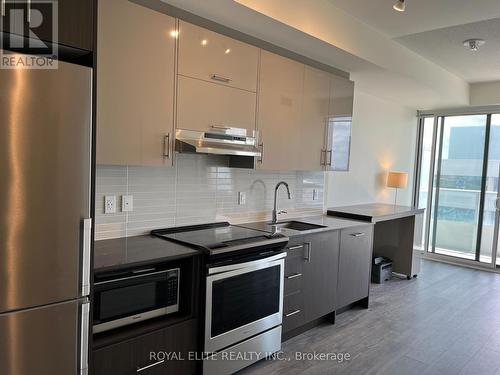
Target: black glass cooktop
[(216, 236)]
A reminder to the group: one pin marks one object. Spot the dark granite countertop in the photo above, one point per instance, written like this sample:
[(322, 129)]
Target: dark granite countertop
[(137, 251), (329, 224), (374, 212)]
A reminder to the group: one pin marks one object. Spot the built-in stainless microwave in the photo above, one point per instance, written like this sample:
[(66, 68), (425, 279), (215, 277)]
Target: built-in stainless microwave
[(134, 296)]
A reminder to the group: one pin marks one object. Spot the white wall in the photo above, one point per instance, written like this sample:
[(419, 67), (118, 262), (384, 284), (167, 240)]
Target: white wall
[(383, 138), (485, 93)]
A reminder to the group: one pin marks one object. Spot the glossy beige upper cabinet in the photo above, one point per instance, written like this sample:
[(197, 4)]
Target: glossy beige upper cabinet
[(279, 115), (135, 84), (338, 141), (212, 57), (315, 106), (205, 106)]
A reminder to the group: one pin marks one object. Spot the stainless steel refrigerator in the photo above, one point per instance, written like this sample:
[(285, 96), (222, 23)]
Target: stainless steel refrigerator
[(45, 225)]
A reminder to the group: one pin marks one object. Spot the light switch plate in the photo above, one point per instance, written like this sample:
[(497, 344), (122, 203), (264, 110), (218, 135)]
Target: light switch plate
[(110, 204), (242, 198), (127, 203)]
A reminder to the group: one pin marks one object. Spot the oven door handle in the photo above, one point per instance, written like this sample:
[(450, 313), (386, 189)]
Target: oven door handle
[(237, 266)]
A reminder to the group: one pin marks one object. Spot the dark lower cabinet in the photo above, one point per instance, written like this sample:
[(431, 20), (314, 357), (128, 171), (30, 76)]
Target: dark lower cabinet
[(321, 265), (311, 269), (162, 352), (74, 19), (354, 265)]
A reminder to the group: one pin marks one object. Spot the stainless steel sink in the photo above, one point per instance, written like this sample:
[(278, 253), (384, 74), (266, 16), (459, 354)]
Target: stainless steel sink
[(297, 225)]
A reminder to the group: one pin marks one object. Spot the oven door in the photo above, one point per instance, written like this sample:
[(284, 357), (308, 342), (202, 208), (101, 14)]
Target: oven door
[(243, 300)]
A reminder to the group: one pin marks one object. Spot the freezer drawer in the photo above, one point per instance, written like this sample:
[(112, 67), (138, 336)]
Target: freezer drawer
[(45, 158), (45, 340)]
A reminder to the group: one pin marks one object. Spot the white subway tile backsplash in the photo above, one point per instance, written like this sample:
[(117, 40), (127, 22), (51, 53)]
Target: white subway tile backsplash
[(197, 191)]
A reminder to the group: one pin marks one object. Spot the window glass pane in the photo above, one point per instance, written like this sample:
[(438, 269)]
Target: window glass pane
[(459, 185), (489, 215), (424, 176)]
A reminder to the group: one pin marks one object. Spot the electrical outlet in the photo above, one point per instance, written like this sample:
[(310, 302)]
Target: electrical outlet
[(110, 204), (127, 203), (242, 198)]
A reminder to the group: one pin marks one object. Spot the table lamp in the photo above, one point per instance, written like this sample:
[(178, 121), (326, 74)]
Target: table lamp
[(397, 180)]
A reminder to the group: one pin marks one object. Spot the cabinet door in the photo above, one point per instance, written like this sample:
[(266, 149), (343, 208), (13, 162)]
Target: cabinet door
[(314, 119), (115, 359), (178, 340), (279, 115), (140, 354), (320, 274), (216, 58), (75, 21), (338, 146), (203, 105), (135, 85), (354, 265)]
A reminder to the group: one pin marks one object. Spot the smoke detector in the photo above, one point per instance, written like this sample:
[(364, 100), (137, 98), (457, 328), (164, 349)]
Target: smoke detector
[(473, 44)]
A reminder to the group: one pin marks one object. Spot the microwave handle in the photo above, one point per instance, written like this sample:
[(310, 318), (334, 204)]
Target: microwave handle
[(87, 237)]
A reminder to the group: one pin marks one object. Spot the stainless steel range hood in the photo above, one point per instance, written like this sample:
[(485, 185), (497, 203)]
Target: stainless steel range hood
[(218, 141)]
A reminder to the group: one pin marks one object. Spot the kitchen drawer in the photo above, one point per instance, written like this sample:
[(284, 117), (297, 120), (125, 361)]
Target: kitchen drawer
[(293, 275), (293, 311), (115, 359), (202, 105), (129, 356), (296, 249), (216, 58)]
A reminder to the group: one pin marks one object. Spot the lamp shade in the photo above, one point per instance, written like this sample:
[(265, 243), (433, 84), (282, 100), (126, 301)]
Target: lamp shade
[(397, 180)]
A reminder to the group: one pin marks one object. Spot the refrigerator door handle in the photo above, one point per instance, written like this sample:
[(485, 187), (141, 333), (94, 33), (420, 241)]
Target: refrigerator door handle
[(87, 236), (84, 337)]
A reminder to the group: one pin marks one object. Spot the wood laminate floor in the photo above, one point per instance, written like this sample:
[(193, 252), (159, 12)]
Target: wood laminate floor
[(447, 321)]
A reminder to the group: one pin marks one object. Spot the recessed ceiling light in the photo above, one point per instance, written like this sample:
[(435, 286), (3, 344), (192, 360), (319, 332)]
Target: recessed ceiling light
[(174, 33), (474, 44), (399, 6), (227, 51), (204, 42)]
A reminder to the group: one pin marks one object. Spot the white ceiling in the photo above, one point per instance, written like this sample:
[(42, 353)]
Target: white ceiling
[(435, 29), (420, 15), (445, 48)]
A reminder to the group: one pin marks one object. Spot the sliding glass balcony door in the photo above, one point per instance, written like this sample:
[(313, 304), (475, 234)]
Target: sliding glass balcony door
[(490, 239), (458, 184)]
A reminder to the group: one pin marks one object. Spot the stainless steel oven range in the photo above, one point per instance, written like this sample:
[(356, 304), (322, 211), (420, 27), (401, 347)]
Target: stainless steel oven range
[(244, 280)]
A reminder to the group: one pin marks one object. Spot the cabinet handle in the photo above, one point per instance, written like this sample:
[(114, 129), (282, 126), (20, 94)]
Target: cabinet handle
[(220, 127), (322, 157), (292, 313), (296, 247), (139, 369), (166, 146), (329, 152), (360, 234), (294, 276), (3, 8), (261, 146), (309, 252), (497, 204), (219, 78)]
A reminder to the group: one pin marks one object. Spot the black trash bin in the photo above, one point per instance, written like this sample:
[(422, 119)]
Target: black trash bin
[(381, 269)]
